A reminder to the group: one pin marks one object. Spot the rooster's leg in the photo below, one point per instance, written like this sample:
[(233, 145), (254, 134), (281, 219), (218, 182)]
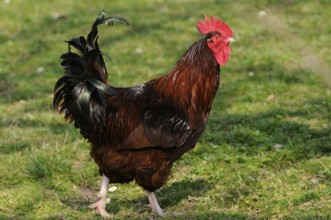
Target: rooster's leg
[(100, 206), (154, 204)]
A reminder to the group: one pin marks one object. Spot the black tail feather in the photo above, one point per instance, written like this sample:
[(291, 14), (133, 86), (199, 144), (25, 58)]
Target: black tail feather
[(102, 19), (81, 93)]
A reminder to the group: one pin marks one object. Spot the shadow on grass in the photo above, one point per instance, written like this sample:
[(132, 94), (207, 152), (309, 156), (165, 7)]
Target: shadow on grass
[(168, 196), (14, 147), (266, 131), (171, 195), (277, 126)]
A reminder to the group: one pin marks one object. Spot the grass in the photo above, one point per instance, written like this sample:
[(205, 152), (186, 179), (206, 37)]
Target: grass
[(265, 153)]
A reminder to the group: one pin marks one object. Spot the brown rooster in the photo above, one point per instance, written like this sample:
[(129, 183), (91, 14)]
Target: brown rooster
[(137, 133)]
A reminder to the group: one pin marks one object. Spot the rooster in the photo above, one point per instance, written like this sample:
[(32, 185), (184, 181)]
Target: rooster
[(137, 133)]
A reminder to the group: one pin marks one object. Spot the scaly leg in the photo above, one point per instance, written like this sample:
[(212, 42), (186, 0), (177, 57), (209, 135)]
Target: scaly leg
[(100, 206), (154, 204)]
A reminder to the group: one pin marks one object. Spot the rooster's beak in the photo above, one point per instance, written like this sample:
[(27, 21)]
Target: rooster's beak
[(231, 40)]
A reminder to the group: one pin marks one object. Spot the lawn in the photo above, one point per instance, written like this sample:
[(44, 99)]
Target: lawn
[(264, 155)]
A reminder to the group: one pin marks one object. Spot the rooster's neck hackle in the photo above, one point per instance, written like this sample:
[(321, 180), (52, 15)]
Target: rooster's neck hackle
[(194, 80)]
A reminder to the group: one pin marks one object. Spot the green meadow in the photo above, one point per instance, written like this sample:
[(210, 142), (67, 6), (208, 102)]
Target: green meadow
[(266, 152)]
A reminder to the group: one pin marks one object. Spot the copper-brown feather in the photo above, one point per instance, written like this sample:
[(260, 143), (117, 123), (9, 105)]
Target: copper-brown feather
[(153, 124), (145, 128)]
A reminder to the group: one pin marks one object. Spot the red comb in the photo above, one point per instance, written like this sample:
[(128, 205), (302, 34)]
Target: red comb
[(214, 25)]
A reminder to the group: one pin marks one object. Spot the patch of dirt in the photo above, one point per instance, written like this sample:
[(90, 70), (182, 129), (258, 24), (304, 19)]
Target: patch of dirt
[(88, 193)]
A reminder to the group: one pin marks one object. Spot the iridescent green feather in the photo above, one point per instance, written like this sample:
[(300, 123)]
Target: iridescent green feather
[(82, 92)]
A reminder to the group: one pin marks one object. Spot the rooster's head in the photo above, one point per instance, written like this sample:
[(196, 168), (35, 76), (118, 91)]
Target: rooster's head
[(219, 37)]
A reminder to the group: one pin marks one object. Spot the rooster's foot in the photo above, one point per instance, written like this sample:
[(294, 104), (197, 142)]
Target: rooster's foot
[(100, 208)]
